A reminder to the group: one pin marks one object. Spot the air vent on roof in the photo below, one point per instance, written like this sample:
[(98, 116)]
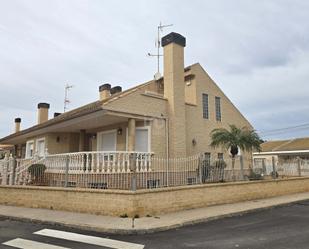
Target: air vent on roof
[(116, 89)]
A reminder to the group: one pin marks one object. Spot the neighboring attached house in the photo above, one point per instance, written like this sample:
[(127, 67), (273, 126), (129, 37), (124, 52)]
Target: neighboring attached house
[(283, 153), (169, 117), (4, 149)]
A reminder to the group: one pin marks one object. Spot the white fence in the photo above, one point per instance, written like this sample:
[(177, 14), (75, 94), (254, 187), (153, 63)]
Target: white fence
[(7, 173), (282, 167), (98, 162), (132, 170)]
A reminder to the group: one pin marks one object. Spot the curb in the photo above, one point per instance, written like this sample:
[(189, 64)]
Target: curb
[(137, 231)]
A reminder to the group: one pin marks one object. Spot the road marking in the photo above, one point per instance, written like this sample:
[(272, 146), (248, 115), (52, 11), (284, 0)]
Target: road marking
[(92, 240), (29, 244)]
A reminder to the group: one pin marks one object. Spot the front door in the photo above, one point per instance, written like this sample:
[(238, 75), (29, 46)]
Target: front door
[(107, 141), (142, 139), (40, 147)]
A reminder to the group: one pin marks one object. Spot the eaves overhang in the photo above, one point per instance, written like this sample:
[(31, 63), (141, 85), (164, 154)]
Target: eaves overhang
[(287, 152)]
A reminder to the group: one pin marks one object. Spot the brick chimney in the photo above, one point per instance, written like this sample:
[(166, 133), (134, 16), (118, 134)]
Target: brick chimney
[(42, 112), (105, 91), (17, 124), (174, 90)]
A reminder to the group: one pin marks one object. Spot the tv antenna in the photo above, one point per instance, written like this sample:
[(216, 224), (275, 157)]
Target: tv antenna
[(158, 46), (66, 97)]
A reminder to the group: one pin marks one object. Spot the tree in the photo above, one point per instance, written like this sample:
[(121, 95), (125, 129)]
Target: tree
[(234, 138)]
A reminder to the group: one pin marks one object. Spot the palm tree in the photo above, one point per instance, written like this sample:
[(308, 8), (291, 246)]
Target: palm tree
[(234, 138)]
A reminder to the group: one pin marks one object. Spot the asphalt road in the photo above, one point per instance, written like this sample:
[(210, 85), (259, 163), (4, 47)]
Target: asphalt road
[(281, 227)]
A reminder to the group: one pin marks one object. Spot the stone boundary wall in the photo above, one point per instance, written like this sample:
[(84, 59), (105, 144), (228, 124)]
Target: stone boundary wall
[(151, 202), (103, 202), (181, 198)]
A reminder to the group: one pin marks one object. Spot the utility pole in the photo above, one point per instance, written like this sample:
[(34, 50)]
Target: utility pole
[(66, 98), (158, 46)]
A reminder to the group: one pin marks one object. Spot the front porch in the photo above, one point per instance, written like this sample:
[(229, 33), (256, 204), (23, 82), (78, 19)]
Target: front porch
[(84, 169), (99, 131), (101, 170)]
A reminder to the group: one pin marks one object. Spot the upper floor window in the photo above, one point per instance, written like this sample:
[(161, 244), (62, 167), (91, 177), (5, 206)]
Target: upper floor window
[(218, 108), (205, 106), (220, 156)]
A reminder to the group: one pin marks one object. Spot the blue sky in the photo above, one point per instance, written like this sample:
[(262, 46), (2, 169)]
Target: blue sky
[(256, 51)]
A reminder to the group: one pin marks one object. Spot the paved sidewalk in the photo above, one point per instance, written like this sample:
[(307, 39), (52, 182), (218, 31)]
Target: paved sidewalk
[(146, 224)]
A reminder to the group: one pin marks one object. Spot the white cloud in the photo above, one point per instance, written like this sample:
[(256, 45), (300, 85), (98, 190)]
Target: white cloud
[(257, 51)]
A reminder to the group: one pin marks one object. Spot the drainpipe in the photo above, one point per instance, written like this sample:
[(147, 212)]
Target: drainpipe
[(167, 137), (167, 148)]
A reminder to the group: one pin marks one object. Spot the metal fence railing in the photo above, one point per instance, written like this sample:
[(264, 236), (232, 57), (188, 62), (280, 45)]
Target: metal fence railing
[(135, 170), (282, 167)]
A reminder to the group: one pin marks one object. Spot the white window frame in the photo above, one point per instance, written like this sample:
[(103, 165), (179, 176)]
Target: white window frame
[(37, 143), (99, 138), (205, 105), (148, 128), (27, 149), (218, 108)]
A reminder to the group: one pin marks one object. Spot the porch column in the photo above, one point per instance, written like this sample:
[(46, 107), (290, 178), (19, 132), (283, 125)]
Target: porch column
[(82, 136), (131, 134)]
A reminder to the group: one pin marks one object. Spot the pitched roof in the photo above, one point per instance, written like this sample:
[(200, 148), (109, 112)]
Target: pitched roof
[(272, 145), (86, 109), (296, 144), (78, 112), (286, 145)]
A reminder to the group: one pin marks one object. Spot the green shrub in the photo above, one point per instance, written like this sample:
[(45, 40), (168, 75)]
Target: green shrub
[(255, 176), (37, 170)]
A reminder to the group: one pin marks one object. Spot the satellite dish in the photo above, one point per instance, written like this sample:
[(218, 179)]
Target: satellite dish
[(157, 76)]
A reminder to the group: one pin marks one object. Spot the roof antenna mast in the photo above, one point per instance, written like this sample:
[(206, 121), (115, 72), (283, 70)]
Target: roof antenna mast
[(66, 98), (158, 46)]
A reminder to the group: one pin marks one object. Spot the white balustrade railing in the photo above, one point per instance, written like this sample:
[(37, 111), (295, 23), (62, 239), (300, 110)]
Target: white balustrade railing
[(304, 167), (22, 176), (3, 171), (92, 162), (7, 170), (97, 162)]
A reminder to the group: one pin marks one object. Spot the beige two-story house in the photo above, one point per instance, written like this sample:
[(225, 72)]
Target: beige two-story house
[(171, 116)]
